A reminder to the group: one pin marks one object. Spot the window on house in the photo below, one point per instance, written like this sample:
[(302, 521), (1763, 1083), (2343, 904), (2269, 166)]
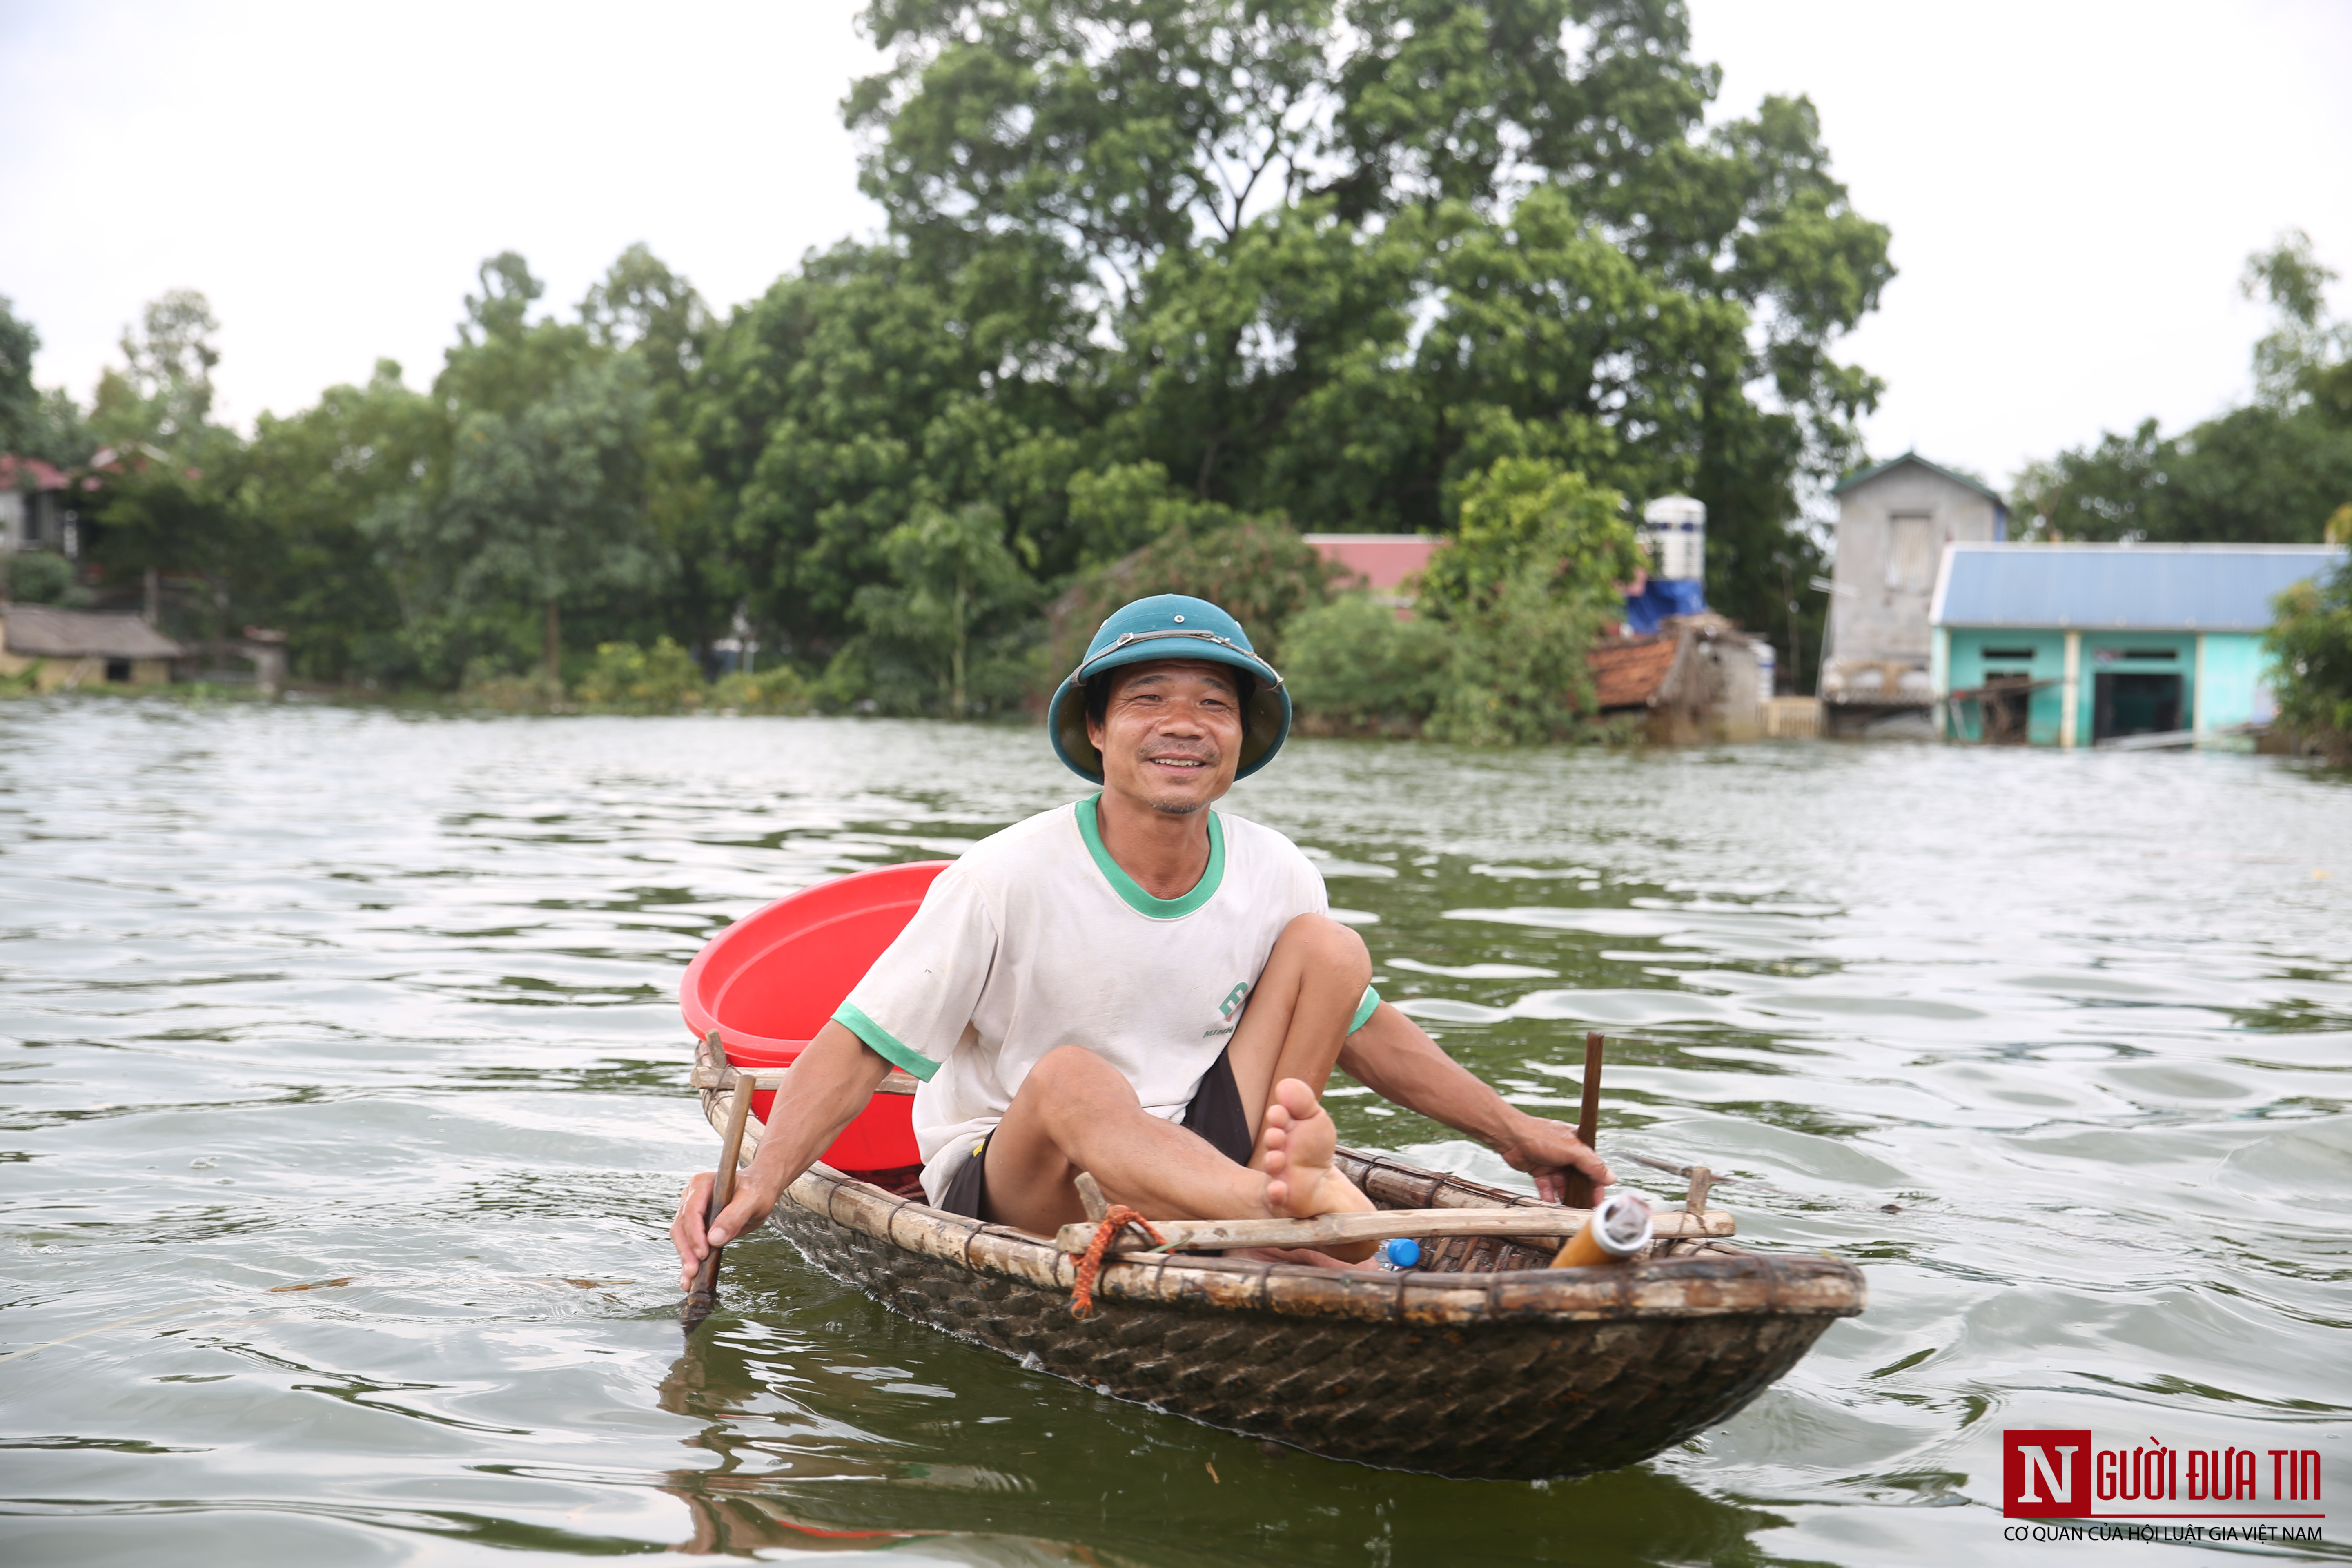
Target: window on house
[(2025, 654), (118, 670), (2151, 653), (1910, 553)]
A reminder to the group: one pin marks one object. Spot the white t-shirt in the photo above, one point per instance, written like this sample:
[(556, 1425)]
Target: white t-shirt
[(1037, 939)]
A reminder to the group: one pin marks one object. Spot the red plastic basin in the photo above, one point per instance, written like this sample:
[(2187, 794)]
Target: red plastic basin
[(772, 980)]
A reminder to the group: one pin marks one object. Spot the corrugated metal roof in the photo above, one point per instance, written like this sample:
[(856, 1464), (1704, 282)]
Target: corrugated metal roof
[(43, 631), (1868, 474), (2121, 587)]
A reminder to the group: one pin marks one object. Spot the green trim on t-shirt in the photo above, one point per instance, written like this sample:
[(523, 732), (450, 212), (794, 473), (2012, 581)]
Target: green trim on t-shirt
[(885, 1045), (1364, 1010), (1126, 888)]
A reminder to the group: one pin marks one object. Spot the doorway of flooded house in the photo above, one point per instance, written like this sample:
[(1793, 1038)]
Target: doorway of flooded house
[(2135, 704), (2007, 700)]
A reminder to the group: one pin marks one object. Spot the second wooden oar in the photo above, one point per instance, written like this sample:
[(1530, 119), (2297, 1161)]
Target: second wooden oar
[(1588, 1121)]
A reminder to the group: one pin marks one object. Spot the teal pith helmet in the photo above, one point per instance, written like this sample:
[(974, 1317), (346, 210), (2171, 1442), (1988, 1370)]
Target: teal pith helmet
[(1170, 626)]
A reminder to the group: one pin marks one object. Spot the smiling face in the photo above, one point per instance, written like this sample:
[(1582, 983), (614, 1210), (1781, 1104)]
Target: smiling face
[(1171, 734)]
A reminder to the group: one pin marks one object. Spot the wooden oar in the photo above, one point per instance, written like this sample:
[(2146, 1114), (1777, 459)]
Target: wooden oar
[(704, 1294), (1338, 1229), (1588, 1121)]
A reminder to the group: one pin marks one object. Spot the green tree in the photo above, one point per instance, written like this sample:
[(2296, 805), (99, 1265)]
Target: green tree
[(2272, 472), (306, 486), (1517, 674), (1274, 202), (162, 396), (1523, 594), (1258, 568), (1321, 261), (947, 633), (538, 495), (1355, 667), (626, 679), (2310, 648), (1527, 521), (20, 401), (164, 505), (851, 395), (33, 423)]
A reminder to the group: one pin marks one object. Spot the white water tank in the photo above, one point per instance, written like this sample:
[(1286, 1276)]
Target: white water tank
[(1675, 530)]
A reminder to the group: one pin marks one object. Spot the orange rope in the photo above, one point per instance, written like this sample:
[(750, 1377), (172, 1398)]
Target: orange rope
[(1119, 1217)]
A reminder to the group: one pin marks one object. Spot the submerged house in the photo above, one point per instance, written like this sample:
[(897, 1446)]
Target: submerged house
[(1893, 523), (1697, 679), (70, 648), (2082, 645)]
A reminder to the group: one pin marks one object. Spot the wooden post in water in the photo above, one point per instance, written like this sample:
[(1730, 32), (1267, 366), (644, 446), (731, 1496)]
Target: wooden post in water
[(704, 1294), (1588, 1120)]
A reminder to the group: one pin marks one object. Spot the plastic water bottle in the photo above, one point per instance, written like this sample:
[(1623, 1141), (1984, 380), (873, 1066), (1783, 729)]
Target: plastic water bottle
[(1400, 1253)]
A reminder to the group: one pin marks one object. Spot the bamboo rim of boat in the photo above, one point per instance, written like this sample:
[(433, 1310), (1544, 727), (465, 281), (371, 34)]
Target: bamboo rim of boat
[(1707, 1280)]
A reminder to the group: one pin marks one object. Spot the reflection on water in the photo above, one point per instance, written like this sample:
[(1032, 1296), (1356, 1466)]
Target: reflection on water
[(2054, 1045)]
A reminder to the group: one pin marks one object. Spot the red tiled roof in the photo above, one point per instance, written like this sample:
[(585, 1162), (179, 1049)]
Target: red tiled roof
[(29, 473), (1628, 674)]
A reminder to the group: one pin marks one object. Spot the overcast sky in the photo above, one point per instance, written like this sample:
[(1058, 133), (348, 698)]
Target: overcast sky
[(2072, 188)]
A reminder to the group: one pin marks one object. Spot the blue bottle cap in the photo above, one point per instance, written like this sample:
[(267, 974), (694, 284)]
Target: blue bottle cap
[(1404, 1252)]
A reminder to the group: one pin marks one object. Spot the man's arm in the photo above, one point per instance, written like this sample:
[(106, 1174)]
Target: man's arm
[(829, 1084), (1396, 1061)]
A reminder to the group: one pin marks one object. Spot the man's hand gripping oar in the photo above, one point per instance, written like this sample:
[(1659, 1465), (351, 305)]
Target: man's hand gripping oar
[(701, 1282), (823, 1091)]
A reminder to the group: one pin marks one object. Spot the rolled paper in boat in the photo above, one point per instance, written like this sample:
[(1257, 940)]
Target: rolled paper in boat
[(1618, 1229)]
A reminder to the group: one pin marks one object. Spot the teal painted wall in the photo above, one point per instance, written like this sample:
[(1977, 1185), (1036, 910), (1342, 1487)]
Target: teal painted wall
[(2236, 690), (2233, 689), (1971, 664)]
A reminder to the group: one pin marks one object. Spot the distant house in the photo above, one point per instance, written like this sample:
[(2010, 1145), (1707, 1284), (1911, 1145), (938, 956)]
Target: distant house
[(2079, 645), (1383, 561), (1697, 679), (68, 649), (36, 507), (1893, 521)]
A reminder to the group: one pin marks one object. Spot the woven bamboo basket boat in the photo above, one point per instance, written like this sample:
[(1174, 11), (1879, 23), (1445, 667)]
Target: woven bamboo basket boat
[(1482, 1363)]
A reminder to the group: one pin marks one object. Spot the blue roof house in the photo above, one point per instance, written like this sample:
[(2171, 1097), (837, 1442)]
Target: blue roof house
[(2085, 644)]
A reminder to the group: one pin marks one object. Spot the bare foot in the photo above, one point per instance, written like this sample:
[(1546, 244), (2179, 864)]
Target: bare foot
[(1295, 1151)]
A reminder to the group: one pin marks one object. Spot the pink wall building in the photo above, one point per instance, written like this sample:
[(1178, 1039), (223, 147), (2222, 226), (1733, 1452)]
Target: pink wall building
[(1382, 559)]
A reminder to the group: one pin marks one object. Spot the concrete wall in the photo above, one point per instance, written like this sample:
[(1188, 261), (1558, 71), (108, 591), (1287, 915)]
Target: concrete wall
[(1891, 535)]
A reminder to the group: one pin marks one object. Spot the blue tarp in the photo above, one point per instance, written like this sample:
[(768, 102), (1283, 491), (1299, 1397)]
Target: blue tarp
[(1646, 610), (2123, 587)]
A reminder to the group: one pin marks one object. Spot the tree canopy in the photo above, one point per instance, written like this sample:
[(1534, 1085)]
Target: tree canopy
[(2272, 472), (1162, 284), (1318, 260)]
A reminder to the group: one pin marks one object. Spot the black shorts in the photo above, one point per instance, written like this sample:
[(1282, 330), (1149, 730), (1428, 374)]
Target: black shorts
[(1216, 1113)]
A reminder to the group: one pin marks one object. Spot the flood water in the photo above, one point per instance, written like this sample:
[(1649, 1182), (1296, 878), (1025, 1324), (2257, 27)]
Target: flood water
[(2057, 1046)]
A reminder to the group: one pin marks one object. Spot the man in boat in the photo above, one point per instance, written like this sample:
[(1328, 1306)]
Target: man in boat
[(1133, 985)]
